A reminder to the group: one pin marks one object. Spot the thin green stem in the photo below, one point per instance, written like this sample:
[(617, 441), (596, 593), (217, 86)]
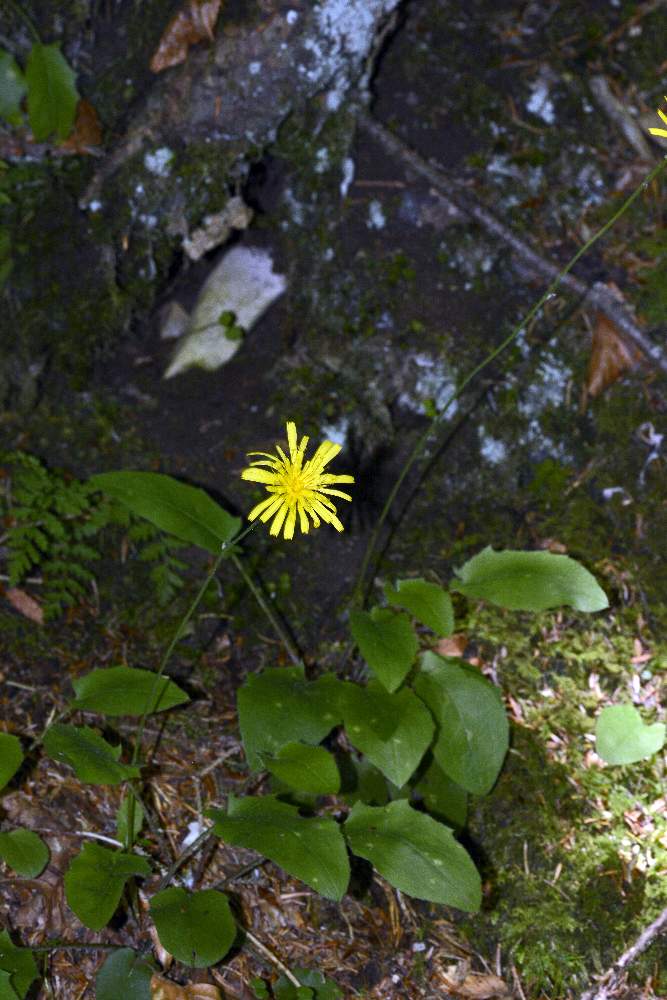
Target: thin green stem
[(150, 707), (357, 593), (275, 624)]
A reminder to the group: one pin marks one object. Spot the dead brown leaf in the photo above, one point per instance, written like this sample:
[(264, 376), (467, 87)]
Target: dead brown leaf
[(87, 131), (453, 645), (163, 989), (194, 22), (25, 604), (479, 986), (611, 357)]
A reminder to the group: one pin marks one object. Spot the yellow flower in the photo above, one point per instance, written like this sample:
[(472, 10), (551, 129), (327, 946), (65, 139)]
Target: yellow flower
[(296, 487), (660, 131)]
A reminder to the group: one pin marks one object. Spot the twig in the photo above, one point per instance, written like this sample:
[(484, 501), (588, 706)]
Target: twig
[(612, 977), (458, 196), (272, 958)]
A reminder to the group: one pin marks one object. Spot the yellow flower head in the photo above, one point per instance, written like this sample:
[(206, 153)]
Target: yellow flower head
[(660, 131), (295, 486)]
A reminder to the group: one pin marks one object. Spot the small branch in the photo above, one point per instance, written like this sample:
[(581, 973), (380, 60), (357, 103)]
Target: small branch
[(455, 193), (611, 979)]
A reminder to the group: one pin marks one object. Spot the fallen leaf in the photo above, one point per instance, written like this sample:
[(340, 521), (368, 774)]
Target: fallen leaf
[(25, 604), (477, 986), (87, 131), (194, 22), (163, 989), (611, 357), (453, 645)]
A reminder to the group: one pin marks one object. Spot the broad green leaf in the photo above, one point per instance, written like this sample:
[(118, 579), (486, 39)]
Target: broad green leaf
[(320, 988), (126, 691), (7, 991), (181, 510), (93, 759), (11, 757), (124, 974), (622, 737), (428, 602), (312, 849), (52, 94), (12, 88), (393, 730), (308, 769), (122, 818), (415, 854), (442, 797), (529, 581), (95, 880), (279, 706), (196, 927), (24, 851), (473, 733), (387, 642), (19, 963)]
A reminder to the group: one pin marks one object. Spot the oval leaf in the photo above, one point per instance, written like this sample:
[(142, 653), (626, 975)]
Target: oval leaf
[(443, 798), (95, 880), (415, 854), (307, 769), (392, 730), (387, 642), (24, 851), (11, 757), (19, 963), (126, 691), (52, 95), (622, 737), (12, 88), (197, 928), (428, 602), (311, 849), (280, 706), (93, 759), (124, 974), (181, 510), (530, 581), (473, 732)]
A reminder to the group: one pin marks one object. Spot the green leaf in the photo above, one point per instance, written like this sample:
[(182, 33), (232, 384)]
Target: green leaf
[(311, 849), (122, 819), (321, 988), (11, 757), (93, 759), (124, 974), (473, 733), (7, 991), (181, 510), (529, 581), (52, 94), (362, 781), (19, 963), (428, 602), (443, 798), (196, 927), (279, 706), (12, 89), (623, 738), (387, 643), (24, 851), (308, 769), (126, 691), (415, 854), (95, 880), (393, 730)]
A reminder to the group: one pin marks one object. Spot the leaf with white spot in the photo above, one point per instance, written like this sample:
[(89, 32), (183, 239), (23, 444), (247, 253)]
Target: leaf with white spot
[(311, 849), (392, 730), (415, 854)]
